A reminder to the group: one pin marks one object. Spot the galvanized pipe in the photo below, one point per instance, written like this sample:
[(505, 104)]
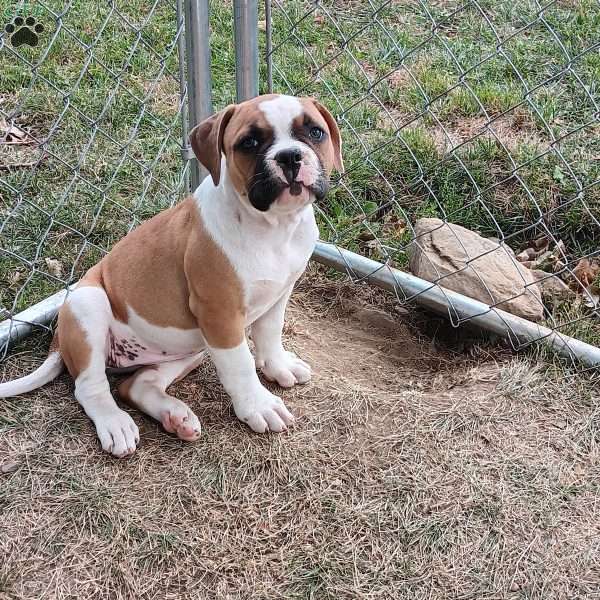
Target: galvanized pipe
[(24, 323), (443, 301), (181, 51), (245, 17), (433, 297), (199, 85), (269, 45)]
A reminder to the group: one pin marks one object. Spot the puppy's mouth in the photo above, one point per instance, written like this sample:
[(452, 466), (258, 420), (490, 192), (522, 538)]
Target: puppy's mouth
[(267, 189), (295, 188)]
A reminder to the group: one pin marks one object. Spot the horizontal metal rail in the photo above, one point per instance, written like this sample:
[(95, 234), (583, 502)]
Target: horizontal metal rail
[(448, 303), (24, 323), (433, 297)]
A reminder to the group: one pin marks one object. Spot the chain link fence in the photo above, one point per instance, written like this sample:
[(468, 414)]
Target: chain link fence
[(482, 114), (91, 116)]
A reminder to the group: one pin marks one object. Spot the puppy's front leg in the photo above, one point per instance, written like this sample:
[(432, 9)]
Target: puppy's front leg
[(275, 363), (252, 402)]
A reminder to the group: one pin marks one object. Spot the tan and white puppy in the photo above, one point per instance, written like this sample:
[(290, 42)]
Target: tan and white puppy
[(191, 280)]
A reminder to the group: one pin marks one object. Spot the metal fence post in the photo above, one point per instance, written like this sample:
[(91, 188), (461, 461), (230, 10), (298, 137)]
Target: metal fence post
[(245, 15), (199, 83), (269, 45)]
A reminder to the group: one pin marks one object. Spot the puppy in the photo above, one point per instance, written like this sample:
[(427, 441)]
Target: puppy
[(189, 281)]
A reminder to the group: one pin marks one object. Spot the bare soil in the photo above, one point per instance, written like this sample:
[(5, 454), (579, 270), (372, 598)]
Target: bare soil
[(414, 471)]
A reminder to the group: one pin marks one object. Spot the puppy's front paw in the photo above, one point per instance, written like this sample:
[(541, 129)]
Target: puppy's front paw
[(286, 369), (263, 411), (117, 432)]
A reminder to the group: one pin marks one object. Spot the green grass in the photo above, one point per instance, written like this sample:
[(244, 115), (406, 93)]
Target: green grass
[(404, 93), (106, 107), (509, 67), (440, 78)]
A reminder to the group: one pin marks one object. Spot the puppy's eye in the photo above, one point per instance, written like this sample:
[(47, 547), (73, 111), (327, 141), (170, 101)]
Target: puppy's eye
[(249, 143), (316, 133)]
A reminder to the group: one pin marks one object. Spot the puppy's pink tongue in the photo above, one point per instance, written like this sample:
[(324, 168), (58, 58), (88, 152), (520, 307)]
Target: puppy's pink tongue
[(295, 188)]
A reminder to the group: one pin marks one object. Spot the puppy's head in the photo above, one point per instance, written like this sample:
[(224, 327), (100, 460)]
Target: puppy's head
[(279, 150)]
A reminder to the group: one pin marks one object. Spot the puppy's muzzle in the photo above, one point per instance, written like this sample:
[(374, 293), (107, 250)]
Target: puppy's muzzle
[(290, 162)]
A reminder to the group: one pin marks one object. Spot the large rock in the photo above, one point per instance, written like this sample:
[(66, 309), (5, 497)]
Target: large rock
[(463, 261)]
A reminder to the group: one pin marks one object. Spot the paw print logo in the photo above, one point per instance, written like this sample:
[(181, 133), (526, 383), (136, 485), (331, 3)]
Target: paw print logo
[(23, 31)]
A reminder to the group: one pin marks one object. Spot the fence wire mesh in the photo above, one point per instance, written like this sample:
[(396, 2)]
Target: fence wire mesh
[(90, 135), (482, 114)]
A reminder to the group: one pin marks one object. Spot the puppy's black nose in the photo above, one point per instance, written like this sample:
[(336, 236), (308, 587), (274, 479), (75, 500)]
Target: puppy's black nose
[(289, 161), (288, 158)]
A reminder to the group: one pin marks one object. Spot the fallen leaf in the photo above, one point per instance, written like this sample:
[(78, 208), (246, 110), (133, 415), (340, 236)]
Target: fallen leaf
[(11, 134), (394, 225), (319, 19), (366, 236), (15, 277), (586, 272), (262, 25), (54, 267), (527, 255)]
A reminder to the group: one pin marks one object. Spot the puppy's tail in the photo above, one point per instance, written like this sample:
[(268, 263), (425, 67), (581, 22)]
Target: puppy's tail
[(51, 368)]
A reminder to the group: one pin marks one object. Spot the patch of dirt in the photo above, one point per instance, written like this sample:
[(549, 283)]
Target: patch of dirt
[(413, 472), (511, 131), (19, 149), (163, 95), (401, 77)]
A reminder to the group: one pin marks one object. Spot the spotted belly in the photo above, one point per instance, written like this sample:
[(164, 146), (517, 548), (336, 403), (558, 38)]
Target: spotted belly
[(130, 352)]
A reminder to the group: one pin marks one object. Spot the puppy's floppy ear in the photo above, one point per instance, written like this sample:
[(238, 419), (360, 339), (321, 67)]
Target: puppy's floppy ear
[(336, 139), (207, 140)]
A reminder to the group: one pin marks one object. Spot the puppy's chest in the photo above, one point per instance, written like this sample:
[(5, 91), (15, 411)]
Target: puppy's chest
[(267, 283), (269, 274)]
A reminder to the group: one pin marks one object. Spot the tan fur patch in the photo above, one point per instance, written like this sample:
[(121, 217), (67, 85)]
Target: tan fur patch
[(240, 165), (144, 270), (172, 274), (216, 293), (330, 151)]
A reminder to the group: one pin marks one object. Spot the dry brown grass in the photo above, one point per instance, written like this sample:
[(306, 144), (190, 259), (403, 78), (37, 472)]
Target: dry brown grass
[(413, 472)]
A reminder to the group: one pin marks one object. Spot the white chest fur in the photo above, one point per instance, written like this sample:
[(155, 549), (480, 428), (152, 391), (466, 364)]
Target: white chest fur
[(269, 252)]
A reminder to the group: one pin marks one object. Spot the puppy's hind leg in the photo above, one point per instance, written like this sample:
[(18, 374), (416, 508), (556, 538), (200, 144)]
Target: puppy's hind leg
[(83, 328), (146, 390)]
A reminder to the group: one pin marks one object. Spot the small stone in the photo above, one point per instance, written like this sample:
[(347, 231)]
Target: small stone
[(463, 261), (527, 255), (10, 466), (553, 288)]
